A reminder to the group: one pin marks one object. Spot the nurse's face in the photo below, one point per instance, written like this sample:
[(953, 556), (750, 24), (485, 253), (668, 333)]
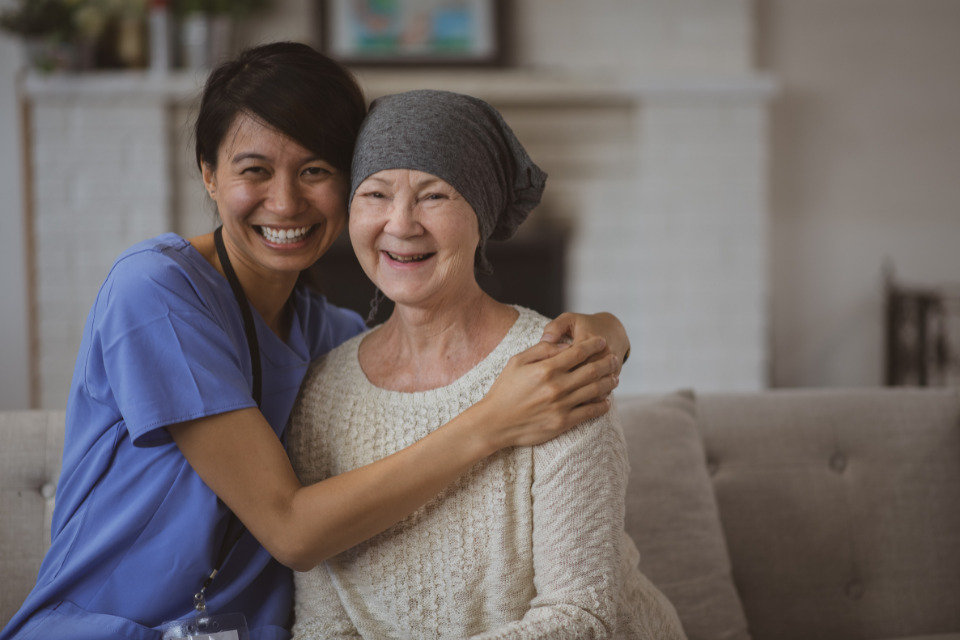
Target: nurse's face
[(281, 205)]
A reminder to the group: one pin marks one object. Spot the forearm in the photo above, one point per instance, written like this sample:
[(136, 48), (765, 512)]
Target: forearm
[(242, 461)]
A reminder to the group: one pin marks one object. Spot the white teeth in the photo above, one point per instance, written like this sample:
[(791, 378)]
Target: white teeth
[(397, 258), (284, 236)]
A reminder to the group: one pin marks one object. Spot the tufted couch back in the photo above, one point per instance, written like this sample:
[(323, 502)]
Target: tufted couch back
[(839, 511)]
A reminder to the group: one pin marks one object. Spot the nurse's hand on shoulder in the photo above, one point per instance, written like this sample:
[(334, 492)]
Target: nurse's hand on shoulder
[(547, 390), (574, 327)]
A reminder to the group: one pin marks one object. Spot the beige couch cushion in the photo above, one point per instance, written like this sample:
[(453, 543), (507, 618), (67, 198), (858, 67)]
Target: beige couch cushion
[(31, 443), (833, 505), (672, 516)]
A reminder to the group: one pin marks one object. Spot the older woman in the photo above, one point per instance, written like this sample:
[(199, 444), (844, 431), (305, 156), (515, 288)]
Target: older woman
[(529, 543)]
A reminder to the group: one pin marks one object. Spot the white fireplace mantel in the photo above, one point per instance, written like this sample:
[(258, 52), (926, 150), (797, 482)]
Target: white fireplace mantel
[(515, 87)]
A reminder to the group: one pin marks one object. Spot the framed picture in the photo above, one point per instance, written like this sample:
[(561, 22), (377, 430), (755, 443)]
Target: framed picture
[(413, 32)]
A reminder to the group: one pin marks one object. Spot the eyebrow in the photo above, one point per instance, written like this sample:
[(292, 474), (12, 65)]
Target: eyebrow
[(425, 183), (250, 155), (253, 155)]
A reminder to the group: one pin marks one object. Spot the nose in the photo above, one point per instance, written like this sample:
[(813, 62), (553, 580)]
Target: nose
[(285, 196), (403, 219)]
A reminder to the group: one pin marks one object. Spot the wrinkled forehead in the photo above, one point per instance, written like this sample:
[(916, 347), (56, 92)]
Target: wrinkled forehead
[(402, 177)]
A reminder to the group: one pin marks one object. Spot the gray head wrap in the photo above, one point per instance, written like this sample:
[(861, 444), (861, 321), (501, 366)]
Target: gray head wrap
[(460, 139)]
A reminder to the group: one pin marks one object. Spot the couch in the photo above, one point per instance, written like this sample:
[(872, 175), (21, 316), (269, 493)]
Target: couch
[(778, 515)]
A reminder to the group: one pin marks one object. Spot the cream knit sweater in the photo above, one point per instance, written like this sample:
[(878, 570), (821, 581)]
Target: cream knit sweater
[(527, 544)]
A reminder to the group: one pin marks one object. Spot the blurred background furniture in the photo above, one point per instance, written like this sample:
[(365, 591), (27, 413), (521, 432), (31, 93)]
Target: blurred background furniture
[(922, 334)]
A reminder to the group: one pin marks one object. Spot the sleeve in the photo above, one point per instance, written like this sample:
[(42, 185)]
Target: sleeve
[(319, 614), (162, 353), (578, 543)]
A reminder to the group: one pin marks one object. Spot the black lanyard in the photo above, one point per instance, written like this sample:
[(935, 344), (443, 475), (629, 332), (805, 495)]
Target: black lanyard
[(234, 526), (248, 326)]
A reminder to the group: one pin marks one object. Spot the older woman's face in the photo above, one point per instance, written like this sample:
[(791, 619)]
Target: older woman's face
[(415, 236)]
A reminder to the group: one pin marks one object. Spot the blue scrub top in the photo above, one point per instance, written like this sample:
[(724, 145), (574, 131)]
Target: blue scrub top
[(135, 530)]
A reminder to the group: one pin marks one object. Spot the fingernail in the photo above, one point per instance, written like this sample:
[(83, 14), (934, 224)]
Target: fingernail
[(548, 337)]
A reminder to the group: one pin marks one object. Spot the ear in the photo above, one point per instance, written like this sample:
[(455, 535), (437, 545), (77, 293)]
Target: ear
[(209, 177)]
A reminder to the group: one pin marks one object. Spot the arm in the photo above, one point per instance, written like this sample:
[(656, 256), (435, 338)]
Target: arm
[(577, 326), (541, 393), (578, 540)]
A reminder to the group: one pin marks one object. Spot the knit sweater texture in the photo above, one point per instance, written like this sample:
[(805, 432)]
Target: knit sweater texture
[(529, 543)]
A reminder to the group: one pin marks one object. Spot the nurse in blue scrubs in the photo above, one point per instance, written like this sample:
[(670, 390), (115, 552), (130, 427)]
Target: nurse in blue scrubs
[(192, 356)]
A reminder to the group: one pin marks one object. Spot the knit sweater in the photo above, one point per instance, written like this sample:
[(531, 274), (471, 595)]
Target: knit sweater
[(529, 543)]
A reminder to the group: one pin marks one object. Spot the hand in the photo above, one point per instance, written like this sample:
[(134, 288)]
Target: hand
[(573, 327), (547, 390)]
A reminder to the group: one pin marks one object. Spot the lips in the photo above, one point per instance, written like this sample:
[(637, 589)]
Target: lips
[(284, 236)]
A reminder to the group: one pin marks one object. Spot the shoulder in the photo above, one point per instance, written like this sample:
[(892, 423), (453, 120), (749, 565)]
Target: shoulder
[(161, 265), (526, 331), (163, 277), (598, 444)]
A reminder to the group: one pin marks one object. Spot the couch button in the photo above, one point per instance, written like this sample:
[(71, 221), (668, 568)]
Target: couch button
[(48, 490), (712, 467), (838, 462), (854, 589)]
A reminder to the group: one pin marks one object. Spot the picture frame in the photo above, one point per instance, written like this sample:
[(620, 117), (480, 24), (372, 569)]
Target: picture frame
[(413, 32)]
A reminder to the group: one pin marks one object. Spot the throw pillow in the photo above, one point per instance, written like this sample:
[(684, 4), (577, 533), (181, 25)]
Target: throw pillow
[(672, 516)]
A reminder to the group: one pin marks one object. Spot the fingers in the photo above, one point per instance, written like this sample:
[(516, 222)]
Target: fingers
[(571, 356), (539, 352), (589, 411), (583, 371), (593, 390), (562, 326)]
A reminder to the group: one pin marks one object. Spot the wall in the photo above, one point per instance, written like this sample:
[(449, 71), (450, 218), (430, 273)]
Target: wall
[(670, 208), (865, 166)]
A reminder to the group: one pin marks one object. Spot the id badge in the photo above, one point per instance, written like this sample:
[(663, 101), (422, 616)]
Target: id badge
[(227, 626)]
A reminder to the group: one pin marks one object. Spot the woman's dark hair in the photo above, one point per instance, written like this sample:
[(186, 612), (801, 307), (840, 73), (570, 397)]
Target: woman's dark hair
[(290, 87)]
